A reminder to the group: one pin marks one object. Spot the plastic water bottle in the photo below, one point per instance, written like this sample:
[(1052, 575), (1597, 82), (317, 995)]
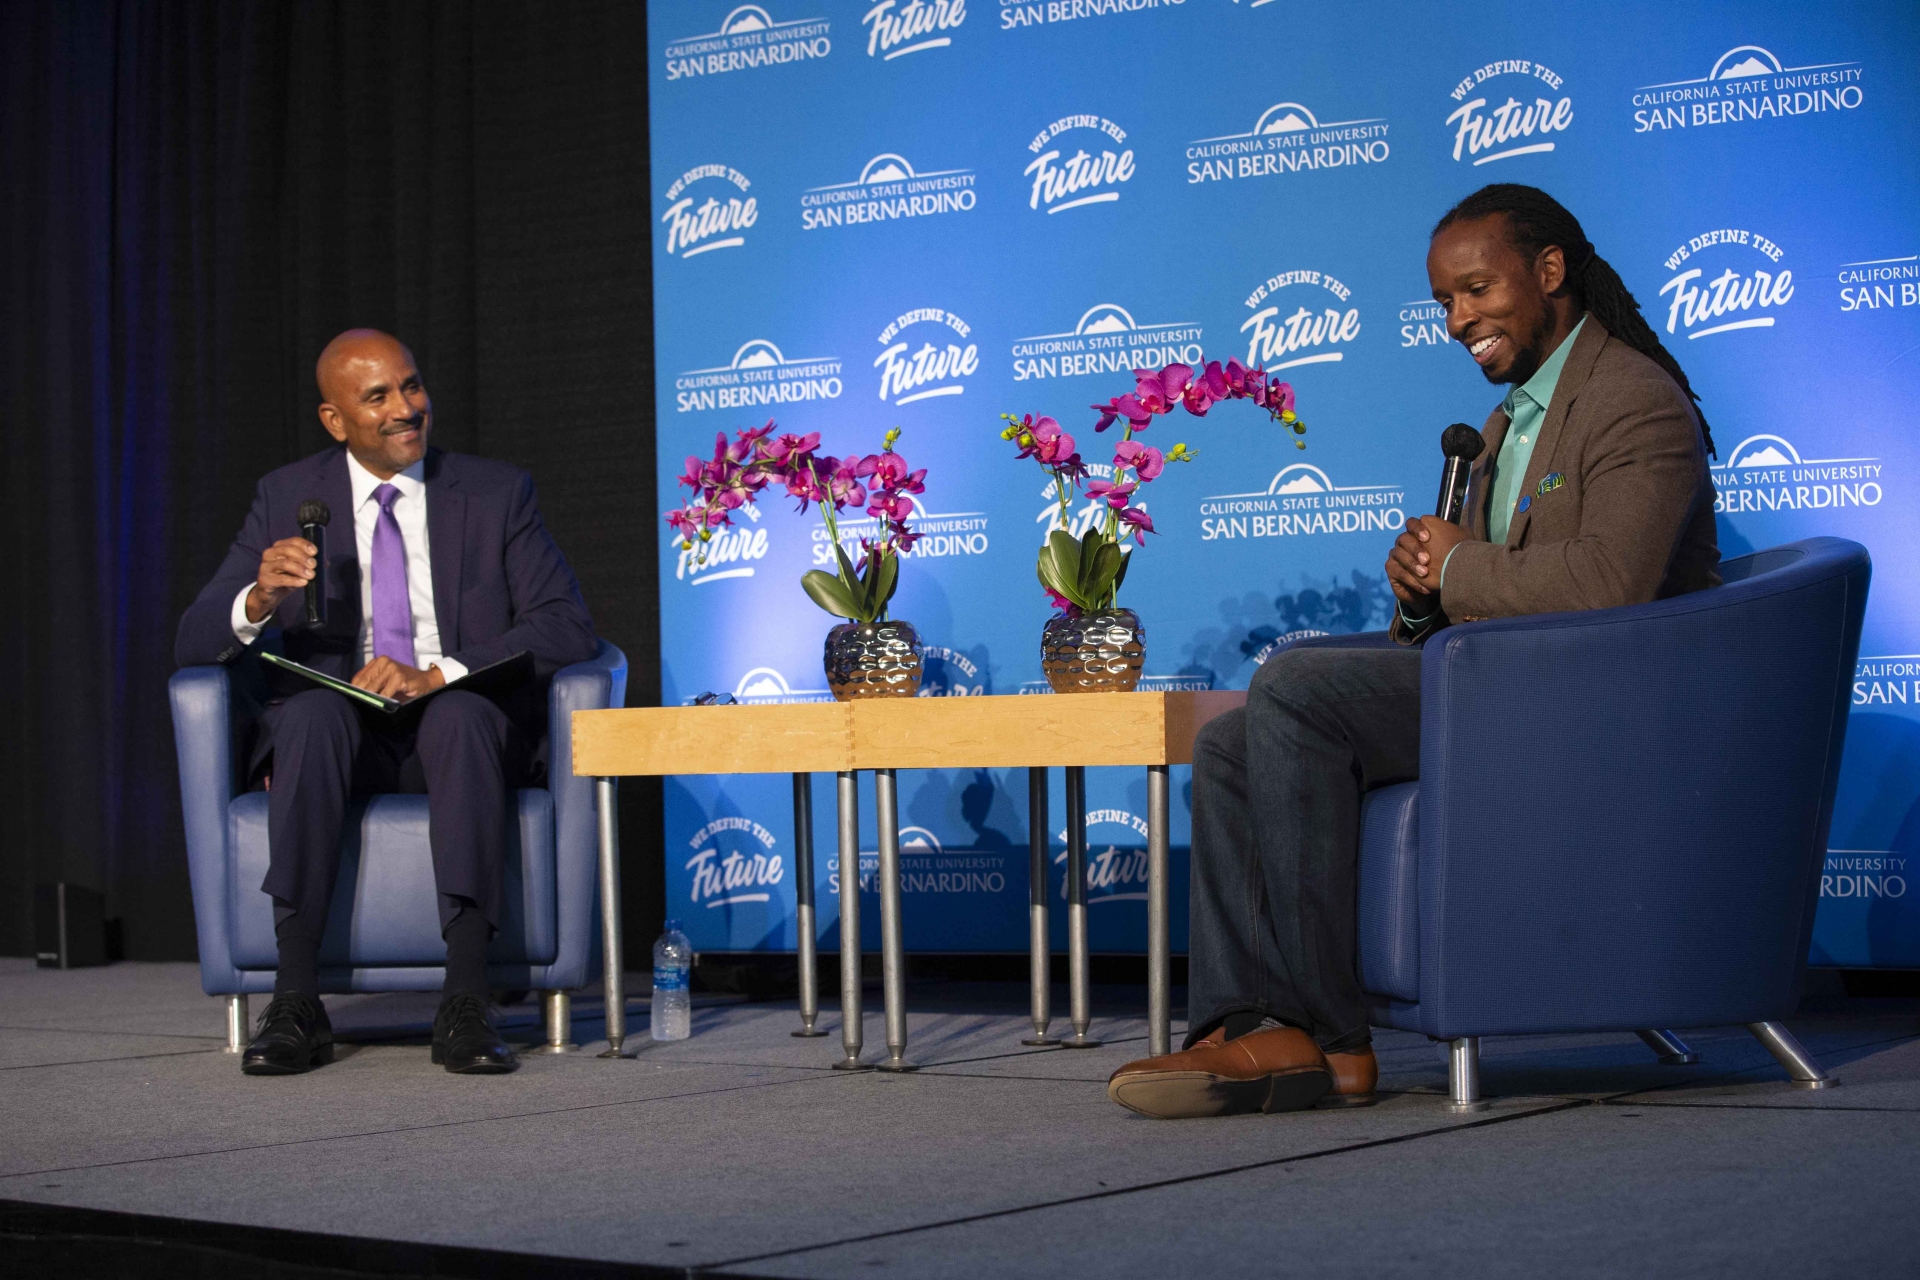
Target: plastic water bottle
[(672, 1001)]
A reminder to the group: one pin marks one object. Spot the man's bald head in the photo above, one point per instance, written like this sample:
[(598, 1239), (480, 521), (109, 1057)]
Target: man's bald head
[(354, 345), (373, 400)]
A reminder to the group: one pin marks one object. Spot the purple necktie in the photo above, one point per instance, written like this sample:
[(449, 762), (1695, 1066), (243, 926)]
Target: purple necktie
[(392, 606)]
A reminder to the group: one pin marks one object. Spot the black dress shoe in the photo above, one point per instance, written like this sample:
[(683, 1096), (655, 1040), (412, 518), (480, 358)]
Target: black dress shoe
[(464, 1040), (294, 1036)]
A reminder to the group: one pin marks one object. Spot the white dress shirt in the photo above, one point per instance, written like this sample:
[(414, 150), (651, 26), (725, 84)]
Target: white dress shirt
[(410, 510)]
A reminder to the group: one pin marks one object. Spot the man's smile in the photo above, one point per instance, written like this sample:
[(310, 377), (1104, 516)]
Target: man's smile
[(1485, 349)]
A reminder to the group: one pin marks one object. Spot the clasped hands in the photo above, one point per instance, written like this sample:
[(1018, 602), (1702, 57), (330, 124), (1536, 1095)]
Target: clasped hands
[(1414, 564), (288, 566)]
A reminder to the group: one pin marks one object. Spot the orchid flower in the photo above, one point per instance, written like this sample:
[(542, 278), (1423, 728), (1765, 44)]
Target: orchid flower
[(1142, 524), (1146, 461)]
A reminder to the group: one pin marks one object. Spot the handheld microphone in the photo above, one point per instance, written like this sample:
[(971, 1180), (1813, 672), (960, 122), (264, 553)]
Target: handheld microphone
[(1461, 444), (313, 527)]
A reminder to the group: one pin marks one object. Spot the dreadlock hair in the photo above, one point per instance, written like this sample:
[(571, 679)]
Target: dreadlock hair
[(1536, 220)]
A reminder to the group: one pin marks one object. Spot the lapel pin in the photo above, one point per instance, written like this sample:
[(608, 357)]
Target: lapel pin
[(1551, 481), (1525, 502)]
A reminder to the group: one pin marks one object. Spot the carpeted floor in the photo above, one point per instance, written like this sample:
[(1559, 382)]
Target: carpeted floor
[(741, 1153)]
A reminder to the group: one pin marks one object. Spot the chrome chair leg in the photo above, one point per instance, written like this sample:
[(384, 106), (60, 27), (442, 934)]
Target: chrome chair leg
[(237, 1036), (557, 1010), (1669, 1048), (1463, 1076), (1805, 1072)]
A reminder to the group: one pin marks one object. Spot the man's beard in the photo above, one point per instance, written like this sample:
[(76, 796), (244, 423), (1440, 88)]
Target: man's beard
[(1526, 361)]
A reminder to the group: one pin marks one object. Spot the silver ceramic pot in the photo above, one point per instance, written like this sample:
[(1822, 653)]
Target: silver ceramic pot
[(1098, 652), (873, 660)]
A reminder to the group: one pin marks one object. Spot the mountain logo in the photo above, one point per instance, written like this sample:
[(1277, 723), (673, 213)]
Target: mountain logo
[(759, 373), (1746, 84), (942, 534), (763, 686), (1302, 500), (747, 37), (1106, 340), (888, 188), (1287, 138), (1766, 473)]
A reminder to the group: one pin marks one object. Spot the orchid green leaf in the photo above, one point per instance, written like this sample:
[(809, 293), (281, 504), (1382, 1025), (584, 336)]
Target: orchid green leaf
[(830, 594), (1106, 563), (883, 576)]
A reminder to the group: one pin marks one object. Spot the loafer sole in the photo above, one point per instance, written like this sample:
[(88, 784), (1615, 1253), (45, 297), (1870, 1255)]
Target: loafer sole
[(1188, 1095), (1334, 1101)]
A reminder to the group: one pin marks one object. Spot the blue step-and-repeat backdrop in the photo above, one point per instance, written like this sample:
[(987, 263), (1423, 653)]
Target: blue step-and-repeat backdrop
[(927, 212)]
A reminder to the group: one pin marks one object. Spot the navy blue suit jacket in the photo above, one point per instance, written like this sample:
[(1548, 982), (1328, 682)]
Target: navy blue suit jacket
[(500, 584)]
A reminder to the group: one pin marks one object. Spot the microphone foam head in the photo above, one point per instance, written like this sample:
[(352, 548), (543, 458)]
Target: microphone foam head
[(1462, 441), (314, 511)]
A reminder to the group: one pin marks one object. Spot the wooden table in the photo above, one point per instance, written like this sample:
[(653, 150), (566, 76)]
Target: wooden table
[(886, 735)]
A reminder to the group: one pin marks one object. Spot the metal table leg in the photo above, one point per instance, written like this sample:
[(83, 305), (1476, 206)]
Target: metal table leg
[(803, 904), (1077, 958), (1159, 959), (1039, 941), (893, 957), (847, 801), (610, 917)]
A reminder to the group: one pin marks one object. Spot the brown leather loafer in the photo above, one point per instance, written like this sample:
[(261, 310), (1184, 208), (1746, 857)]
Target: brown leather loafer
[(1276, 1069), (1355, 1076)]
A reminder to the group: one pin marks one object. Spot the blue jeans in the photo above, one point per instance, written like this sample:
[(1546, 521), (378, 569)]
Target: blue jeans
[(1276, 837)]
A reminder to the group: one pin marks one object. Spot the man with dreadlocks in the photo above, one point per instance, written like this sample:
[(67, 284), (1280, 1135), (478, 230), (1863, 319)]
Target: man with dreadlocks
[(1592, 492)]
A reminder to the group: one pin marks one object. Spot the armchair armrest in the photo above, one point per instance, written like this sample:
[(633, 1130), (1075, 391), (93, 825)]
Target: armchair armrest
[(204, 741), (1622, 811), (598, 683)]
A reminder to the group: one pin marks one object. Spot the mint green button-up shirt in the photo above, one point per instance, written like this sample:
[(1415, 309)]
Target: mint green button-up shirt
[(1526, 409)]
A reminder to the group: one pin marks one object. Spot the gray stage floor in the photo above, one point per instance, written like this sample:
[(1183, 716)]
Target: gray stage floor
[(739, 1151)]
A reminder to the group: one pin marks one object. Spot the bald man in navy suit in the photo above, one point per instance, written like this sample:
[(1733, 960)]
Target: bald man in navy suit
[(438, 564)]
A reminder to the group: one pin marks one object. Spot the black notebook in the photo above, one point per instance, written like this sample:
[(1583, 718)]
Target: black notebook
[(494, 676)]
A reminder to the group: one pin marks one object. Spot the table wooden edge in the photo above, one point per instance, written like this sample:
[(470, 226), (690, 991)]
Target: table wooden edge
[(1015, 731)]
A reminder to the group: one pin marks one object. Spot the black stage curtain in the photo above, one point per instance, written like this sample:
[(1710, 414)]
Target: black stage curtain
[(196, 197)]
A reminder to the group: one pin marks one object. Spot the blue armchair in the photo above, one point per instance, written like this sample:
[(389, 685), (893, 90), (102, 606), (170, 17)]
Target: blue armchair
[(383, 930), (1620, 817)]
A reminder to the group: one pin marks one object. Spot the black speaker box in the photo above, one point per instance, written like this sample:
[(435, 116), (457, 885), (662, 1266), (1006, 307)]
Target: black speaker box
[(70, 926)]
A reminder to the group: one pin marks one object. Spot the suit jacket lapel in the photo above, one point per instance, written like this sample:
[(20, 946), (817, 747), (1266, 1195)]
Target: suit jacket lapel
[(344, 570), (446, 538), (1573, 378), (1479, 491)]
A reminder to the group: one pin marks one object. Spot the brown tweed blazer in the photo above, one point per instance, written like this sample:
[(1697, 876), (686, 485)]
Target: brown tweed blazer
[(1627, 516)]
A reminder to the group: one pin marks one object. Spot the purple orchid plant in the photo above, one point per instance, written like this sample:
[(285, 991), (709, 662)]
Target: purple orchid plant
[(1084, 575), (881, 483)]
